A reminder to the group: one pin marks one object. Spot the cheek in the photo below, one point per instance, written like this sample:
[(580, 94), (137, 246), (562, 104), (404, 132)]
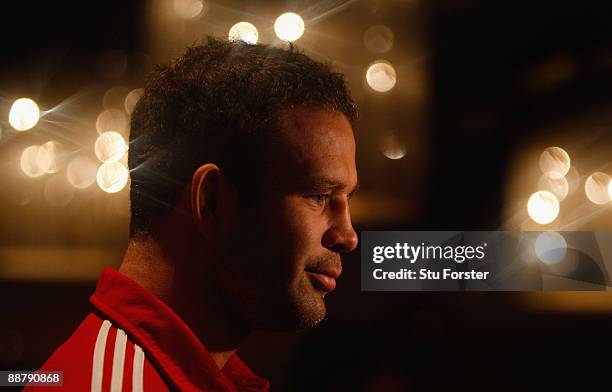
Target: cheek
[(303, 226), (294, 230)]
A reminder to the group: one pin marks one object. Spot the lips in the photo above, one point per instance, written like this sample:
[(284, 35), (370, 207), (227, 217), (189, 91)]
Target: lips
[(324, 279)]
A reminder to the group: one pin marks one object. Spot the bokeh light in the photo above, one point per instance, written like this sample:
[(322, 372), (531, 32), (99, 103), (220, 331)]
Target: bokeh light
[(110, 147), (378, 39), (112, 120), (24, 114), (381, 76), (555, 162), (596, 188), (58, 192), (558, 186), (35, 161), (543, 207), (112, 64), (550, 247), (21, 196), (391, 146), (573, 180), (189, 9), (112, 177), (244, 31), (81, 172), (289, 27), (114, 97), (51, 151), (132, 99)]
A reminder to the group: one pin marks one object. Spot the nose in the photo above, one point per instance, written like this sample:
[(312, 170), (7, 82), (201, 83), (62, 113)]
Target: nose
[(341, 236)]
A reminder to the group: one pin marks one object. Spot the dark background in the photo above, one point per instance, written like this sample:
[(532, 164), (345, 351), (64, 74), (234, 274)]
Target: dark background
[(499, 77)]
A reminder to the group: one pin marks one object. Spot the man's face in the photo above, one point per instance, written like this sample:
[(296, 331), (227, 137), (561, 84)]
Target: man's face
[(286, 256)]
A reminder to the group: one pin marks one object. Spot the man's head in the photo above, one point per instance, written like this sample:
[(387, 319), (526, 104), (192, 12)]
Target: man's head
[(261, 138)]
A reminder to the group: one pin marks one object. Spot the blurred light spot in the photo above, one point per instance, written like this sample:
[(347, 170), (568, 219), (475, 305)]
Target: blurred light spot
[(189, 9), (110, 147), (381, 76), (610, 189), (112, 120), (543, 207), (558, 186), (244, 31), (20, 195), (554, 162), (112, 64), (52, 153), (552, 73), (573, 180), (81, 172), (378, 39), (132, 99), (391, 146), (596, 188), (58, 191), (289, 27), (115, 97), (35, 161), (112, 177), (550, 247), (24, 114)]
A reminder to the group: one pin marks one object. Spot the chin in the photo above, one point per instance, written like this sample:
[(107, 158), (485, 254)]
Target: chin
[(311, 322), (305, 310), (297, 307), (298, 320), (311, 309)]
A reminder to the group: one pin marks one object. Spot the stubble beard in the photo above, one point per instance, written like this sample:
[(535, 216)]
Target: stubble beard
[(310, 304), (285, 306)]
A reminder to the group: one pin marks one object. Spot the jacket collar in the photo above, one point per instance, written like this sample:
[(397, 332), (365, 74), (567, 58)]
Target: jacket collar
[(170, 344)]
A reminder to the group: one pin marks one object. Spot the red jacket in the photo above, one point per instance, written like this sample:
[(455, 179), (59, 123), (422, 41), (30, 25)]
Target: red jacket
[(132, 341)]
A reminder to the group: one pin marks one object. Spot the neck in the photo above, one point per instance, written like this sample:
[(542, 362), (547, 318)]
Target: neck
[(172, 271)]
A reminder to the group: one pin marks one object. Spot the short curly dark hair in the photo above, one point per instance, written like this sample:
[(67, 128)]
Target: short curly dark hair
[(219, 102)]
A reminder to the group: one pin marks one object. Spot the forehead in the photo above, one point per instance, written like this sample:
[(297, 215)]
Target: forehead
[(314, 143)]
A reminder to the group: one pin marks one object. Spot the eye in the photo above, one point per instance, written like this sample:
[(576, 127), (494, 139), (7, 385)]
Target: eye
[(319, 199)]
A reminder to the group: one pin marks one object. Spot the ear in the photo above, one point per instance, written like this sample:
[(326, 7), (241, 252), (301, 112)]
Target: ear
[(207, 190)]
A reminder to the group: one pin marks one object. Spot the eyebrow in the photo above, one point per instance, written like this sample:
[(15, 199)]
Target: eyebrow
[(324, 184)]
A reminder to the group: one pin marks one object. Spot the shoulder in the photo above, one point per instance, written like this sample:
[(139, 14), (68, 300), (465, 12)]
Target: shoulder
[(98, 356)]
